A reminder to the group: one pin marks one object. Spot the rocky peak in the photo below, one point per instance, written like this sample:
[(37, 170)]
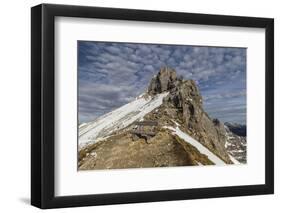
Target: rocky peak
[(180, 90), (184, 103), (165, 80), (183, 94), (187, 98)]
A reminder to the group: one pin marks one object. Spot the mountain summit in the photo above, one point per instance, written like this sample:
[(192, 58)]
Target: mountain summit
[(165, 80), (167, 126), (184, 104)]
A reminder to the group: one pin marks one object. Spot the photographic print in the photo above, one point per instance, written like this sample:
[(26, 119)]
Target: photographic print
[(137, 96), (160, 105)]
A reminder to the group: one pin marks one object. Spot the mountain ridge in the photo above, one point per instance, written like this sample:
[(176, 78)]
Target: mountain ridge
[(179, 115)]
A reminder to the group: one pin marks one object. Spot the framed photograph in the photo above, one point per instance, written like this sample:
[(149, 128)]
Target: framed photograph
[(139, 106)]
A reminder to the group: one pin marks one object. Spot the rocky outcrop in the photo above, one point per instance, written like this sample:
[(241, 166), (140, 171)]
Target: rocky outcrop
[(184, 96), (164, 81), (236, 143)]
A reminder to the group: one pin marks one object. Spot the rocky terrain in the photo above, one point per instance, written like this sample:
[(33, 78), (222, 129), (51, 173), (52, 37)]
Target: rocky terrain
[(236, 144), (237, 129), (165, 126)]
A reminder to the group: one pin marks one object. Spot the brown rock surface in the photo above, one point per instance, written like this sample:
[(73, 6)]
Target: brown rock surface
[(164, 81), (120, 151)]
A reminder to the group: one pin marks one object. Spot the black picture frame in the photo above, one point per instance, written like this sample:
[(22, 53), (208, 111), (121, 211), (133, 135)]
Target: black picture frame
[(43, 102)]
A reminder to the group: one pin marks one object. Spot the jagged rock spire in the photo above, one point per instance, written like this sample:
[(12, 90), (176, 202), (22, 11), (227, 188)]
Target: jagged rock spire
[(163, 81), (184, 97)]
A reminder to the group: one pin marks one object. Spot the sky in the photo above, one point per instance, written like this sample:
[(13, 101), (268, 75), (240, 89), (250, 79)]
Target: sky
[(112, 74)]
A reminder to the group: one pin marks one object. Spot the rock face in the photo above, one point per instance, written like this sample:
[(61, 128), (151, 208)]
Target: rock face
[(236, 143), (185, 98), (164, 81)]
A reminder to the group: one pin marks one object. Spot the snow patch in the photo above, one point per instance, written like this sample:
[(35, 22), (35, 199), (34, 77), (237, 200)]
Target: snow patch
[(202, 149), (82, 124), (233, 159), (199, 164), (177, 124), (227, 144), (118, 119), (140, 96), (94, 154)]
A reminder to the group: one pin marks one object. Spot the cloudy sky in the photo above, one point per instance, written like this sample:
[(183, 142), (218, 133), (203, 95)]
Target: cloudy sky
[(113, 74)]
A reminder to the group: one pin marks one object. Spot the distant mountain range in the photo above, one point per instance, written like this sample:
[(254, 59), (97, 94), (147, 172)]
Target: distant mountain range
[(165, 126), (238, 129)]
